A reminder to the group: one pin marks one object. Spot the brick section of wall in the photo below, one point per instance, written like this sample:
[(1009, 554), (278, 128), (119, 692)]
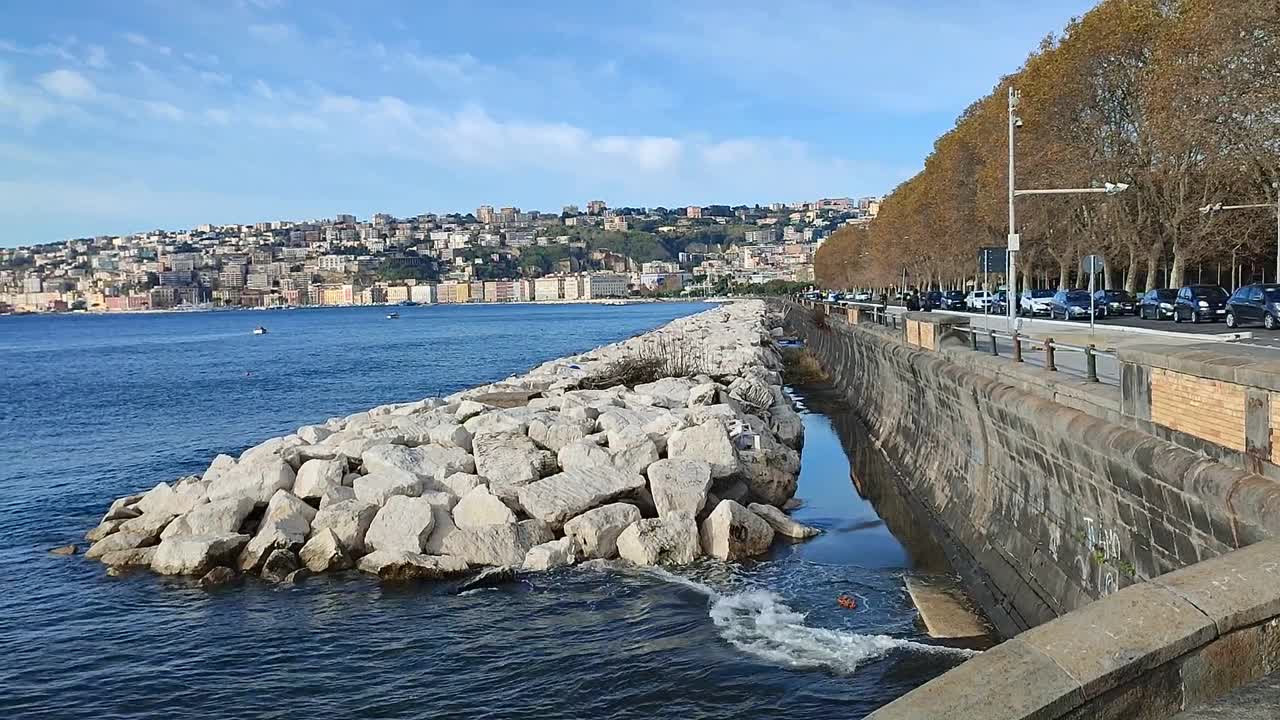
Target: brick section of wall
[(1208, 409)]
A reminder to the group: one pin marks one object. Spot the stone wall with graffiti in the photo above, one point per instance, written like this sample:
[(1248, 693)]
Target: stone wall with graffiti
[(1049, 507)]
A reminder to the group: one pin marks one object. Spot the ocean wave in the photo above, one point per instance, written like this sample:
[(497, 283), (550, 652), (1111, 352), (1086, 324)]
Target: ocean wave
[(760, 623)]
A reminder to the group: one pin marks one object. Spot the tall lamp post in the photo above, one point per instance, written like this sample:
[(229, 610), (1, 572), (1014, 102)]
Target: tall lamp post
[(1219, 207), (1015, 240)]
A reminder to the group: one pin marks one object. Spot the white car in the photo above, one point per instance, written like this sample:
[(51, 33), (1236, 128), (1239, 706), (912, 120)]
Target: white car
[(978, 300), (863, 296), (1035, 302)]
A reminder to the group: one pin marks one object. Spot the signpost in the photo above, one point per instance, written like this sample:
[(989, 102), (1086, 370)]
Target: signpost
[(1093, 264), (991, 260)]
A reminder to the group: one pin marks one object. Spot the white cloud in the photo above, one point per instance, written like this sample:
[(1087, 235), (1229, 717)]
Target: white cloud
[(21, 104), (215, 78), (263, 90), (164, 110), (67, 84), (96, 57), (272, 32), (142, 41)]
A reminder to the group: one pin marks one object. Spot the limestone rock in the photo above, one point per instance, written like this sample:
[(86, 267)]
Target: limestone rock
[(583, 455), (703, 394), (165, 500), (556, 434), (679, 486), (149, 525), (118, 541), (313, 434), (781, 523), (708, 442), (196, 554), (257, 478), (404, 523), (400, 565), (468, 409), (105, 528), (451, 435), (668, 392), (492, 544), (221, 575), (324, 552), (338, 494), (771, 474), (279, 565), (561, 496), (632, 452), (423, 461), (137, 557), (64, 550), (480, 507), (510, 458), (460, 484), (379, 485), (548, 555), (215, 518), (317, 477), (349, 520), (660, 541), (123, 509), (219, 467), (732, 532)]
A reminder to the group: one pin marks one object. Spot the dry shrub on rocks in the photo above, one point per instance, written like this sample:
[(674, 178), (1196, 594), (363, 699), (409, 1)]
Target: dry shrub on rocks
[(658, 357), (800, 367)]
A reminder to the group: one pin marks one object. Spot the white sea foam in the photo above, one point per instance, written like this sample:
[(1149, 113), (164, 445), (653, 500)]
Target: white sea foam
[(760, 623)]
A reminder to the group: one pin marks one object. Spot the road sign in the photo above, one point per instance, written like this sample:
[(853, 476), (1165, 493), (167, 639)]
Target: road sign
[(1093, 264), (1015, 242), (992, 260)]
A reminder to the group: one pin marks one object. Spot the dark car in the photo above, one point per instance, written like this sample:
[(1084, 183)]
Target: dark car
[(1258, 303), (1157, 304), (1000, 303), (1200, 303), (1074, 305), (953, 300), (1118, 302), (931, 300)]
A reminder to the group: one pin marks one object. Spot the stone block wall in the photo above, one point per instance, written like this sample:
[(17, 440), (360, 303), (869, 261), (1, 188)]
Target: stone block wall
[(1052, 507)]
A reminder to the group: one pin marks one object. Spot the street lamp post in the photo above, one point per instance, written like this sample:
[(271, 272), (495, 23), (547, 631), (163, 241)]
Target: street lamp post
[(1219, 207), (1015, 240)]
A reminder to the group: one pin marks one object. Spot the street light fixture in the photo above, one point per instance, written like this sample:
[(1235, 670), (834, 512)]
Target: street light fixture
[(1219, 207), (1015, 240)]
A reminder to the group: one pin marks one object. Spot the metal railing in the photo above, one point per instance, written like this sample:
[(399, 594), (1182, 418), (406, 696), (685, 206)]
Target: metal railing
[(984, 340)]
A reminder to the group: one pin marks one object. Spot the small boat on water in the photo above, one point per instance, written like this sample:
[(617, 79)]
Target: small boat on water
[(393, 316), (259, 330)]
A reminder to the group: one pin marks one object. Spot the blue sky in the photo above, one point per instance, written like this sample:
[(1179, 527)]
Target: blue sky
[(119, 117)]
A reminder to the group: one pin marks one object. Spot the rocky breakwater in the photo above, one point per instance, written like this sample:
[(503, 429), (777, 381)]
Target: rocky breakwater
[(669, 446)]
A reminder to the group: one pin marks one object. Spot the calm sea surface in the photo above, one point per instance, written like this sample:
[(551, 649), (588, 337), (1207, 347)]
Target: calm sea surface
[(92, 408)]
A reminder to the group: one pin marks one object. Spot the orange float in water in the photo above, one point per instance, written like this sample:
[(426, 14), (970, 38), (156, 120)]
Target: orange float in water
[(846, 601)]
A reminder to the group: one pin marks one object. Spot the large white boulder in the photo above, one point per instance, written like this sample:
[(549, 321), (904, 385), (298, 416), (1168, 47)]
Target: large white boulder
[(679, 486), (573, 492), (148, 525), (349, 520), (732, 532), (196, 554), (402, 565), (596, 531), (381, 484), (460, 484), (631, 450), (423, 461), (254, 477), (660, 541), (317, 477), (451, 435), (548, 555), (404, 523), (490, 544), (510, 458), (219, 467), (116, 542), (284, 526), (771, 473), (583, 455), (708, 442), (555, 433), (216, 518), (782, 523), (165, 500), (480, 507), (313, 434), (667, 392), (324, 552)]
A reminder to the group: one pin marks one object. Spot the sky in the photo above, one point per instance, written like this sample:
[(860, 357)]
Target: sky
[(121, 117)]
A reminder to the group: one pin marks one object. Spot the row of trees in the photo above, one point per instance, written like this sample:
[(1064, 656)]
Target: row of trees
[(1180, 99)]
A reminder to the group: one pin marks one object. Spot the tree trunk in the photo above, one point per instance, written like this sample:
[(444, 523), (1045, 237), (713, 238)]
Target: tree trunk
[(1177, 274), (1108, 275), (1153, 265), (1062, 275), (1131, 277)]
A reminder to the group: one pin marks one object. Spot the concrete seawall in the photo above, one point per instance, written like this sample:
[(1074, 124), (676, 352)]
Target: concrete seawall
[(1045, 509)]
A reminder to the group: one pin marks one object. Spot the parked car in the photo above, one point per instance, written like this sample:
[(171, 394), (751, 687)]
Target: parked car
[(1257, 303), (1000, 303), (931, 300), (953, 300), (862, 296), (977, 300), (1200, 303), (1074, 305), (1157, 304), (1035, 302), (1118, 302)]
